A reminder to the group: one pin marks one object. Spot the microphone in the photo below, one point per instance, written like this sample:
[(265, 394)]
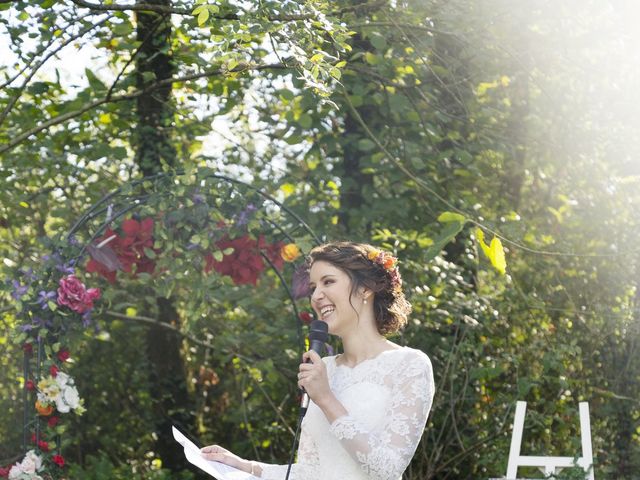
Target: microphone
[(318, 334)]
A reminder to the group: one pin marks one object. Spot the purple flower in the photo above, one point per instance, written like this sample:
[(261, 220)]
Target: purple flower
[(86, 318), (44, 297), (29, 274), (37, 323), (18, 290), (66, 268), (198, 198), (245, 215)]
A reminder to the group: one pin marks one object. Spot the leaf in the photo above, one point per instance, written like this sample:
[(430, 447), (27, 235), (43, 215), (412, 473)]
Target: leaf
[(494, 251), (94, 82), (448, 217), (451, 230), (484, 246), (305, 120), (371, 58), (203, 16), (378, 41), (366, 145), (498, 259), (287, 94)]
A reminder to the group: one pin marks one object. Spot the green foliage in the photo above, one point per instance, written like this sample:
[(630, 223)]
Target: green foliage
[(416, 128), (100, 467)]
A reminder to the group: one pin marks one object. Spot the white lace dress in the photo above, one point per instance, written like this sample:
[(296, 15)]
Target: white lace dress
[(388, 399)]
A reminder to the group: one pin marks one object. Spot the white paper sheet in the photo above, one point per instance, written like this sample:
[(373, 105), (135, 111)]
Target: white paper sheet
[(217, 470)]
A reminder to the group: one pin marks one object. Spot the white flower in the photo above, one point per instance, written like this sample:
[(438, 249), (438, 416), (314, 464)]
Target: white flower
[(28, 465), (68, 399), (61, 405), (71, 397), (31, 463), (62, 379), (15, 472)]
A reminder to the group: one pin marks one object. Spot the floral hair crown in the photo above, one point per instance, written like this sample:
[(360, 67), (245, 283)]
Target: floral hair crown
[(390, 264)]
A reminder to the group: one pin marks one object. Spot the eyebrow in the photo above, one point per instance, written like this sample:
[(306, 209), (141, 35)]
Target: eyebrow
[(323, 277)]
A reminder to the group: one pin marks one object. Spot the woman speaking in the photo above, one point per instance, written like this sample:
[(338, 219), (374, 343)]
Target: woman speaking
[(369, 405)]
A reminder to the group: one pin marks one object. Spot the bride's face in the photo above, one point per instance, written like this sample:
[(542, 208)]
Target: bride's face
[(331, 297)]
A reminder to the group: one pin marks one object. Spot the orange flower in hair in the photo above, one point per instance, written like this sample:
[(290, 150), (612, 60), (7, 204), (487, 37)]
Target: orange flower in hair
[(389, 263)]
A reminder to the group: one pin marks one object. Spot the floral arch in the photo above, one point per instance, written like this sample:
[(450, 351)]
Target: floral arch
[(154, 234)]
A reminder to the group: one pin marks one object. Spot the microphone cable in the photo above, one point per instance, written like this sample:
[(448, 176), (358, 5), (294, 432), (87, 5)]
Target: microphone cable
[(295, 442), (317, 337)]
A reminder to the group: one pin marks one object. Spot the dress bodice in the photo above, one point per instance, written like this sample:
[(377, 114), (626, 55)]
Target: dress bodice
[(387, 398)]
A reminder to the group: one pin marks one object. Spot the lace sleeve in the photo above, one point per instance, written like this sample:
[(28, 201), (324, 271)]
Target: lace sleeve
[(304, 469), (385, 452)]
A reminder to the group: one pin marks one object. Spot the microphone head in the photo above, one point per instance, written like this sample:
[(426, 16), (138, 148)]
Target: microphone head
[(319, 331)]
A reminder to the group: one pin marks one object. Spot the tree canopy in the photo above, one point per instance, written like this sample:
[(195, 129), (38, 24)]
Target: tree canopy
[(491, 145)]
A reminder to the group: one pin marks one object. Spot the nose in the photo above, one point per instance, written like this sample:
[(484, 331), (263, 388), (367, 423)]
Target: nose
[(316, 295)]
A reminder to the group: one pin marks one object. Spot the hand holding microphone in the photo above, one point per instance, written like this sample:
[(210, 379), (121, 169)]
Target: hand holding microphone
[(312, 378)]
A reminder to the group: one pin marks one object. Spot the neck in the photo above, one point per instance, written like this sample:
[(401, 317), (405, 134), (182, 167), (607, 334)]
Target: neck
[(362, 344)]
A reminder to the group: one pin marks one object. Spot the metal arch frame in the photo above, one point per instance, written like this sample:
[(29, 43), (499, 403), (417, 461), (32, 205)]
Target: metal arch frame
[(101, 206), (95, 210)]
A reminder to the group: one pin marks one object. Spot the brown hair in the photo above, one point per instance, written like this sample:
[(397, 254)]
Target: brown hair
[(390, 307)]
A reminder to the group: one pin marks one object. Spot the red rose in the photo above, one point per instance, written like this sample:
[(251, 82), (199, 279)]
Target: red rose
[(126, 251), (53, 421), (272, 252), (63, 355), (4, 472), (43, 446), (73, 294), (305, 317), (53, 370), (138, 236), (58, 460), (243, 265), (29, 385)]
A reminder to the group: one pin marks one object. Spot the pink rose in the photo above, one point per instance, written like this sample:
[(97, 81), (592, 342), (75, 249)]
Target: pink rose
[(73, 294)]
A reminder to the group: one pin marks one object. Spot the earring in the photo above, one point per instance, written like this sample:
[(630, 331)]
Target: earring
[(365, 301)]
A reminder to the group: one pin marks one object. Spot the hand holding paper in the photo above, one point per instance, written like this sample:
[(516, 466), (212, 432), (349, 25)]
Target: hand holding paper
[(217, 470)]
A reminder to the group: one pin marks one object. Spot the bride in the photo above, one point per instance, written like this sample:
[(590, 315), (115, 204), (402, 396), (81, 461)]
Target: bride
[(369, 405)]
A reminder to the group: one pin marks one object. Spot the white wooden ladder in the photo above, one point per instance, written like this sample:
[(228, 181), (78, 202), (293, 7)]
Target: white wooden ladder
[(549, 465)]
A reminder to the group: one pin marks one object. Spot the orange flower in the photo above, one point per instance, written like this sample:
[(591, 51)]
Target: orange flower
[(290, 252), (44, 409), (388, 262)]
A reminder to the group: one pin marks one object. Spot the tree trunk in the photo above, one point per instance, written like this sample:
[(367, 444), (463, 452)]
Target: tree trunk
[(152, 138), (154, 149)]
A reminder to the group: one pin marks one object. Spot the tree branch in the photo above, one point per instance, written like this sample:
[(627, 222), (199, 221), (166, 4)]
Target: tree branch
[(139, 7), (145, 7), (130, 96), (153, 321), (37, 66)]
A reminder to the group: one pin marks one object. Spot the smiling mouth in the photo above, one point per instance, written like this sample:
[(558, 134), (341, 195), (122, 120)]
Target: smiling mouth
[(325, 311)]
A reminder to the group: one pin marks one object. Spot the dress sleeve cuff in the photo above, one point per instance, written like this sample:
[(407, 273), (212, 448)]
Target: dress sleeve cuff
[(345, 428)]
